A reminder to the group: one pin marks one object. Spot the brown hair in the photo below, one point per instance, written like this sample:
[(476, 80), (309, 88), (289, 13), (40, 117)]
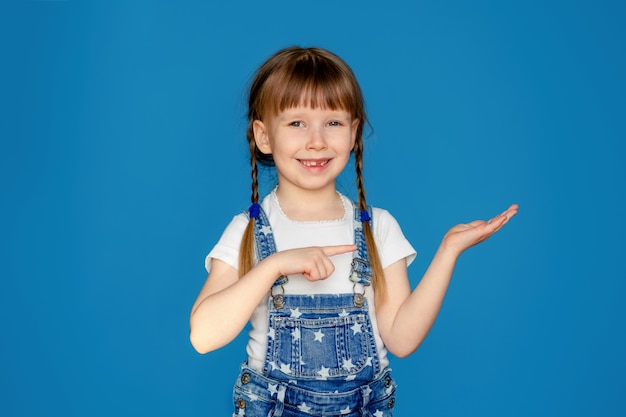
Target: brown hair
[(320, 79)]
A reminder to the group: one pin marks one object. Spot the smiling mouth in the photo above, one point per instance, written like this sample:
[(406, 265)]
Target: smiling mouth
[(314, 162)]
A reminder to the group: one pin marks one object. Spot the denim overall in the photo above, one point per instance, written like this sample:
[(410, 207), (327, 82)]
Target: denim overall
[(321, 357)]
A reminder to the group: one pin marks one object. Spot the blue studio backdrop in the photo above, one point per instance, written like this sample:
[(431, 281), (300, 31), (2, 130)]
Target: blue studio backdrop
[(123, 157)]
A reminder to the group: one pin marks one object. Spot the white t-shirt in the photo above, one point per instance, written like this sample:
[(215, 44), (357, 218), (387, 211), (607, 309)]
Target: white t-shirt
[(290, 234)]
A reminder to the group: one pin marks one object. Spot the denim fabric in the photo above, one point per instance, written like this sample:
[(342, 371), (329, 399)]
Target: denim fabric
[(321, 356), (256, 395), (361, 269), (264, 241), (322, 342)]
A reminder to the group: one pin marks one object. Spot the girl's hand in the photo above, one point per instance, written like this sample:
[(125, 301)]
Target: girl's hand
[(312, 262), (463, 236)]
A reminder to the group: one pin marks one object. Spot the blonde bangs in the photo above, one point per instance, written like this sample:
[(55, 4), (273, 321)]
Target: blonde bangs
[(312, 82)]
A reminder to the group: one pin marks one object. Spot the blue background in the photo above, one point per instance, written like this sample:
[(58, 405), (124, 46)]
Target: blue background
[(123, 158)]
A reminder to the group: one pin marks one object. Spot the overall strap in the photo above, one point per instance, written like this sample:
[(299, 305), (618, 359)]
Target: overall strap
[(264, 240), (361, 272), (265, 246)]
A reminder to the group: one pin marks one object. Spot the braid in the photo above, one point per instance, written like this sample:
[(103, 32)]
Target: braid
[(246, 250), (253, 163), (380, 288), (358, 165)]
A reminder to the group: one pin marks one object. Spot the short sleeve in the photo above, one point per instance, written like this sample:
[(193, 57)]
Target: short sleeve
[(391, 243), (227, 248)]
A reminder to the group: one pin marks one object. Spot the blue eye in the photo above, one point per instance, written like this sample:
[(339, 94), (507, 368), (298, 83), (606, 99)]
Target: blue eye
[(296, 123), (334, 123)]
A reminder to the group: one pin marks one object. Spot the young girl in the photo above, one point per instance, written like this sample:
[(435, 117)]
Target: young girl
[(322, 280)]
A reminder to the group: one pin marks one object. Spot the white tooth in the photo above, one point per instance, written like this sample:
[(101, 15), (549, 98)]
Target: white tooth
[(315, 163)]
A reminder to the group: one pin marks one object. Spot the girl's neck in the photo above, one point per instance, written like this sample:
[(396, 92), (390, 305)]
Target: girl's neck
[(304, 205)]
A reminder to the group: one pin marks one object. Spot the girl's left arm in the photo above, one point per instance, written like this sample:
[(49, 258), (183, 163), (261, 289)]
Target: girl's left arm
[(405, 317)]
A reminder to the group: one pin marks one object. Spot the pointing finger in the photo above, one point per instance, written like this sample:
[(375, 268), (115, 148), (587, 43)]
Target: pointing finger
[(337, 250)]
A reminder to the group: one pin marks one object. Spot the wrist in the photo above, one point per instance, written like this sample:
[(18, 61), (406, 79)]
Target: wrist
[(270, 267), (448, 249)]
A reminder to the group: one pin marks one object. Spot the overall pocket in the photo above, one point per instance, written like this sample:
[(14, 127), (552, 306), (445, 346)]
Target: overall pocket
[(320, 348)]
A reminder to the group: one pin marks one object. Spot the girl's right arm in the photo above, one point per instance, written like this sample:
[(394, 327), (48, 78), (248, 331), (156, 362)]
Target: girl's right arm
[(226, 301)]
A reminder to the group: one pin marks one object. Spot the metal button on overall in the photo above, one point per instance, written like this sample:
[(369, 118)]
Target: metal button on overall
[(245, 379), (388, 382), (241, 403), (391, 403)]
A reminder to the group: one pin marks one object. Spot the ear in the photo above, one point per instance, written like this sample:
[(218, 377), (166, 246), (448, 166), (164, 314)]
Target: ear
[(261, 137)]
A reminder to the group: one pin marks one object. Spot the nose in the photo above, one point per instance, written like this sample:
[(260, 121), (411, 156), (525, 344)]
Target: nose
[(316, 140)]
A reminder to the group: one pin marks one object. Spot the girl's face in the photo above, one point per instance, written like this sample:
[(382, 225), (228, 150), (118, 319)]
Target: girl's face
[(310, 146)]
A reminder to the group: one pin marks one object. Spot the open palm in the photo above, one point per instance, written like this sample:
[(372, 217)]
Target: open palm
[(463, 236)]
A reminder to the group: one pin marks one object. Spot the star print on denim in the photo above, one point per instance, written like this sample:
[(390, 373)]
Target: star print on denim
[(356, 328), (323, 372), (295, 334), (285, 369), (343, 313), (271, 333), (318, 335), (350, 378), (368, 361), (304, 408), (266, 230), (345, 410), (295, 313), (272, 388), (347, 364), (378, 413)]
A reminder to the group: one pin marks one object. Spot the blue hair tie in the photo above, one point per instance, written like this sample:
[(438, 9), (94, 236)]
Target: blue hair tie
[(365, 216), (254, 210)]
